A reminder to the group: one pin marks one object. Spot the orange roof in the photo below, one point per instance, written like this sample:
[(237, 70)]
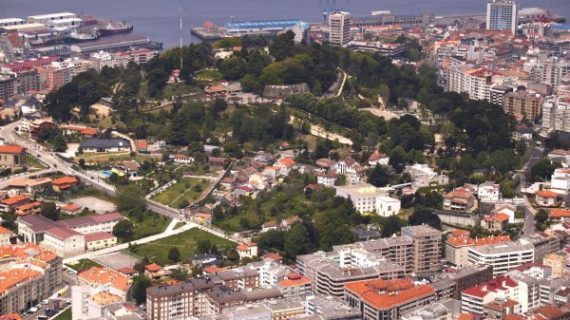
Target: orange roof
[(387, 294), (294, 280), (11, 316), (64, 180), (549, 312), (30, 205), (15, 199), (153, 267), (547, 194), (4, 230), (467, 241), (466, 316), (102, 276), (11, 149), (245, 246), (559, 213), (211, 269), (71, 207), (26, 250), (13, 277), (459, 232), (501, 217), (287, 162)]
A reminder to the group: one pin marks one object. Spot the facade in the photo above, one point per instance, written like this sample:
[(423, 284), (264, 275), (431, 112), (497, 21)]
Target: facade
[(99, 240), (557, 262), (104, 145), (339, 24), (502, 15), (427, 244), (523, 105), (64, 242), (457, 247), (476, 82), (387, 299), (502, 257), (11, 155), (474, 299), (459, 199), (556, 114)]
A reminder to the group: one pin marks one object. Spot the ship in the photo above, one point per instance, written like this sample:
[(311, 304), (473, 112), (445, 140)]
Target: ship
[(114, 27), (74, 35)]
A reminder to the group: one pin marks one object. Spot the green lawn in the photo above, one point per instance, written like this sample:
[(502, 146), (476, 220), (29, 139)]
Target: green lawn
[(186, 242), (65, 315), (33, 162), (186, 189), (83, 264), (209, 74), (152, 223)]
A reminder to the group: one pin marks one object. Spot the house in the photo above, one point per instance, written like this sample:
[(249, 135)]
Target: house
[(294, 285), (228, 183), (325, 163), (560, 179), (547, 198), (459, 199), (386, 206), (561, 156), (10, 204), (258, 181), (71, 209), (155, 272), (269, 225), (104, 145), (327, 178), (489, 192), (6, 236), (247, 250), (522, 132), (424, 176), (495, 222), (11, 155), (216, 162), (130, 167), (286, 224), (182, 159), (285, 165), (559, 215), (271, 173), (86, 132), (141, 145), (378, 158), (99, 240), (367, 198), (64, 183), (28, 208), (353, 171), (30, 185)]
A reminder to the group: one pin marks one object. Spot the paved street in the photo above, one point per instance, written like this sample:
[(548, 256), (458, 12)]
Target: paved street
[(536, 155)]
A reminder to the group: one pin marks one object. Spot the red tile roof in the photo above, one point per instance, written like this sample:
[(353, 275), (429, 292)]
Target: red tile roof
[(96, 236), (547, 194), (387, 294), (466, 316), (64, 180), (559, 213), (11, 149), (15, 199), (550, 312), (497, 284), (153, 267)]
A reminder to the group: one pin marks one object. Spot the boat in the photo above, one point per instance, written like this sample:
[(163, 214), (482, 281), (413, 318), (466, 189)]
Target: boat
[(83, 36), (114, 27)]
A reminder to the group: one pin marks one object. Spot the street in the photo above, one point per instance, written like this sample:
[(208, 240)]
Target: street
[(536, 155)]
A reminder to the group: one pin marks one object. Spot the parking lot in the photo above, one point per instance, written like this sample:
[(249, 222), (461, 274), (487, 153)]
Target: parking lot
[(96, 204), (117, 260)]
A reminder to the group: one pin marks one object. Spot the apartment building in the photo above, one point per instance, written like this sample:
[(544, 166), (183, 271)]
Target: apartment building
[(551, 70), (339, 24), (557, 263), (457, 248), (387, 299), (90, 303), (523, 105), (475, 81), (502, 257), (474, 299), (179, 301), (427, 243), (329, 272), (502, 15), (28, 275), (103, 277), (556, 114)]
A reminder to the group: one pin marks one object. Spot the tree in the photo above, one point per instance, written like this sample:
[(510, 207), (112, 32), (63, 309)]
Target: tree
[(541, 219), (424, 216), (179, 274), (130, 199), (379, 176), (393, 224), (49, 210), (204, 246), (296, 241), (219, 105), (233, 256), (123, 229), (139, 286), (283, 46), (174, 254), (398, 159), (542, 170)]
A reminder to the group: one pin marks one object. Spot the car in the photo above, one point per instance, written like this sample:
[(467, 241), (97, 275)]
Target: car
[(33, 310), (46, 301)]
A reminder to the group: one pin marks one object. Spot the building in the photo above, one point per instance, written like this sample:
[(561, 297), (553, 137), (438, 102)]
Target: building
[(295, 284), (475, 81), (28, 275), (63, 241), (551, 71), (503, 256), (459, 199), (99, 240), (523, 105), (339, 24), (547, 198), (423, 176), (93, 303), (502, 15), (427, 244), (63, 183), (367, 198), (457, 247), (6, 236), (447, 309), (47, 18), (179, 301), (8, 86), (474, 299), (11, 155), (102, 277), (104, 145), (557, 262), (556, 114), (387, 299)]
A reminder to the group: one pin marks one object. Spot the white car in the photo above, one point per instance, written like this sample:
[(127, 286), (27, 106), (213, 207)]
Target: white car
[(33, 310)]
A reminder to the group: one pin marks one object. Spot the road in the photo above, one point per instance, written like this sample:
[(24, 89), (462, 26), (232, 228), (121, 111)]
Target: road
[(536, 155)]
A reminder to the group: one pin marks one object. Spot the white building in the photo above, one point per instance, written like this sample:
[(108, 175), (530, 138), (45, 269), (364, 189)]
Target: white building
[(476, 82), (339, 24), (502, 257), (64, 242), (502, 15), (105, 59), (489, 192), (556, 114), (560, 179), (474, 299), (327, 179), (423, 176), (5, 236), (47, 18), (88, 303), (367, 198)]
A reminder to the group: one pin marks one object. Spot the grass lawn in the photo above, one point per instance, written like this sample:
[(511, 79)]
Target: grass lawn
[(186, 242), (111, 157), (185, 189), (209, 74), (152, 223), (65, 315), (33, 162), (83, 264)]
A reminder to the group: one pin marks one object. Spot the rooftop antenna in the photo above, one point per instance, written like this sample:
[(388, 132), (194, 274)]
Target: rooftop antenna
[(181, 39)]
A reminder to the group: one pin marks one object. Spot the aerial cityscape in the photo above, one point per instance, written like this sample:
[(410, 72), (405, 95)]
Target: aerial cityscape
[(350, 162)]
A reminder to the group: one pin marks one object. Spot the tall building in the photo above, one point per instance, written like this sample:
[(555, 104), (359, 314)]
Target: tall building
[(556, 114), (339, 23), (522, 104), (502, 257), (427, 243), (502, 15)]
